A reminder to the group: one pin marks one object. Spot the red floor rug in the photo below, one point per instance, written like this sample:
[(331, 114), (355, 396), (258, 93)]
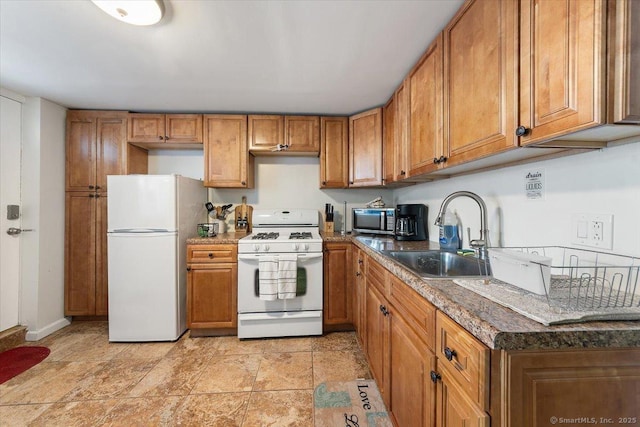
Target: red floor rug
[(17, 360)]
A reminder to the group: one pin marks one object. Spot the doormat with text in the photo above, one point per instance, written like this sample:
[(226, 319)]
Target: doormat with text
[(350, 404)]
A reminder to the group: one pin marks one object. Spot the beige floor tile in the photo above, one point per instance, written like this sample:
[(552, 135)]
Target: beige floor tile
[(112, 379), (41, 372), (339, 366), (71, 414), (170, 377), (219, 410), (228, 374), (187, 347), (335, 341), (291, 408), (143, 412), (286, 345), (154, 350), (285, 371), (232, 345), (84, 347), (50, 382), (20, 415)]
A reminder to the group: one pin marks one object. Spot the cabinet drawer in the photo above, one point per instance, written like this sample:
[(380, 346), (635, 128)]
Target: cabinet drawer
[(418, 311), (212, 253), (377, 276), (465, 358)]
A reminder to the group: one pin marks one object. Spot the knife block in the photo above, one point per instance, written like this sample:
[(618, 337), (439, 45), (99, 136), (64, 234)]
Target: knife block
[(328, 227), (243, 225)]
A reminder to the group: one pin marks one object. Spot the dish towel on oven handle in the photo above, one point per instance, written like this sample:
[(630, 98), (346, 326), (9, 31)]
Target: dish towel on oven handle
[(268, 278), (287, 275)]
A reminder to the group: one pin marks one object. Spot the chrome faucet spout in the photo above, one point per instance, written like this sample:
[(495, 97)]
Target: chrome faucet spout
[(481, 243)]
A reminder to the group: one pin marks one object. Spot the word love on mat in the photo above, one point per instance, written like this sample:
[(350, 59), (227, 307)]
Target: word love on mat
[(350, 404), (17, 360)]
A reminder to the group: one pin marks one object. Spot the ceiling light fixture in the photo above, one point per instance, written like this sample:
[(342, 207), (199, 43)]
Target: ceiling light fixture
[(135, 12)]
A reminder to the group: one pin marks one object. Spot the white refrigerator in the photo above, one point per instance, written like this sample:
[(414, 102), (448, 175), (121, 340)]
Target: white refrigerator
[(149, 218)]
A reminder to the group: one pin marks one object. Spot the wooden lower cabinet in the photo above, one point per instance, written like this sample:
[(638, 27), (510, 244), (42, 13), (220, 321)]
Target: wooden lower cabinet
[(377, 336), (359, 283), (86, 292), (455, 409), (337, 302), (212, 288)]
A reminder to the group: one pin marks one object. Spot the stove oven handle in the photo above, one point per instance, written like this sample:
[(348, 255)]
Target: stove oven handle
[(301, 257)]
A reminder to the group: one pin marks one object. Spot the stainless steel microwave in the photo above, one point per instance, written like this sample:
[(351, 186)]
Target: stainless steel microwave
[(374, 220)]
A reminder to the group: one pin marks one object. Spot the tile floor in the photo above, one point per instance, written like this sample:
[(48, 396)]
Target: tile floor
[(212, 381)]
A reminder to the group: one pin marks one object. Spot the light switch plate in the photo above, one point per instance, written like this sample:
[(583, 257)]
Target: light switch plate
[(13, 212), (592, 230)]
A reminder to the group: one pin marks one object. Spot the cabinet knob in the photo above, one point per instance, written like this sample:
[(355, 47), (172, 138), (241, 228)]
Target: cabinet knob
[(358, 274), (360, 261), (403, 173), (92, 195), (211, 255), (435, 376), (91, 187), (97, 195), (160, 137), (435, 161), (521, 131), (350, 182), (384, 310), (97, 187), (442, 159), (449, 354), (324, 182), (166, 138), (188, 268)]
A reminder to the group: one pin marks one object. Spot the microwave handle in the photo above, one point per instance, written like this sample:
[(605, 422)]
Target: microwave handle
[(383, 221)]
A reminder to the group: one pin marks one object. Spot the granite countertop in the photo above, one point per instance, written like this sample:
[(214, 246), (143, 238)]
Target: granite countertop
[(220, 239), (496, 326)]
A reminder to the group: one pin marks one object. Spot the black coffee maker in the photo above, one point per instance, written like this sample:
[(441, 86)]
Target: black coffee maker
[(411, 222)]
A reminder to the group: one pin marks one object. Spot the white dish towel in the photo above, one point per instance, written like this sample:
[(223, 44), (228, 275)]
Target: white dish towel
[(287, 276), (268, 278)]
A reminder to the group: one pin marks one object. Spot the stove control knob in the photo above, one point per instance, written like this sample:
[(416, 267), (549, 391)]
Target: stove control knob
[(306, 246), (295, 246), (256, 247), (266, 248)]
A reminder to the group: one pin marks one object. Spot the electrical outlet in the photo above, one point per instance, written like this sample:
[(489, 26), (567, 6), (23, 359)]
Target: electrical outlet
[(593, 230)]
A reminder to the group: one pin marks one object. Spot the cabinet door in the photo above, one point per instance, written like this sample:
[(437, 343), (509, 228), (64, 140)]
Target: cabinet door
[(80, 254), (334, 152), (359, 295), (212, 296), (426, 139), (338, 305), (388, 141), (402, 131), (302, 134), (183, 128), (413, 394), (561, 67), (111, 147), (227, 161), (265, 132), (481, 80), (365, 149), (146, 128), (102, 279), (377, 334), (81, 151), (454, 409)]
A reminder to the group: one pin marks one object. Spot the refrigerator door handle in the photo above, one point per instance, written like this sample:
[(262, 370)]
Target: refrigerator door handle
[(140, 230)]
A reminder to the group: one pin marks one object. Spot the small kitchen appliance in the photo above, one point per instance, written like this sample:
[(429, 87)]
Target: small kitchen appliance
[(149, 220), (280, 236), (411, 222), (373, 220)]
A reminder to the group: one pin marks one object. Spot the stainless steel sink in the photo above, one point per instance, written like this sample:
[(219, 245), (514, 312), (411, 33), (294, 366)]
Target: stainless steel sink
[(440, 264)]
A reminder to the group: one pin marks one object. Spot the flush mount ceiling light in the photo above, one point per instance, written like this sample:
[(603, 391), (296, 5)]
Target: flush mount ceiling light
[(135, 12)]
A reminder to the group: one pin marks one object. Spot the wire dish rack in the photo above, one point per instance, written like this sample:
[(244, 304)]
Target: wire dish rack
[(584, 280)]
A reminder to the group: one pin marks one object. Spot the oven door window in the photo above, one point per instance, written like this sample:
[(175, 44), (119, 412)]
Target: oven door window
[(301, 284)]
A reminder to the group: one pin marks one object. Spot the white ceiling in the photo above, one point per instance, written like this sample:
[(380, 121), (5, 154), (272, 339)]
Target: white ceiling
[(330, 57)]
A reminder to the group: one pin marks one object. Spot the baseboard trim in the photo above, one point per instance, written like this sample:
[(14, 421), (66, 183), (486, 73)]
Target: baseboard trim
[(47, 330)]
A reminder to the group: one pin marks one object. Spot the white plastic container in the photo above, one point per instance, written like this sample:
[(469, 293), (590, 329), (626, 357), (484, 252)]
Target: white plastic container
[(523, 270)]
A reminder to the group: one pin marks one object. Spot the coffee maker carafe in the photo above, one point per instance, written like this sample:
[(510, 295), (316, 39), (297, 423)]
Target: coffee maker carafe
[(411, 222)]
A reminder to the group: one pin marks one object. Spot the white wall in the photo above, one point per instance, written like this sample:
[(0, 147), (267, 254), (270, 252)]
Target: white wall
[(603, 181), (281, 182), (43, 181)]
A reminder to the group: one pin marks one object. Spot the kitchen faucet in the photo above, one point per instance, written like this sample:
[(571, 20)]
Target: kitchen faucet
[(481, 243)]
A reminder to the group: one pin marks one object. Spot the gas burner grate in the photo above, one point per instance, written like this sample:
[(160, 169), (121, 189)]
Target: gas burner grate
[(266, 236), (300, 235)]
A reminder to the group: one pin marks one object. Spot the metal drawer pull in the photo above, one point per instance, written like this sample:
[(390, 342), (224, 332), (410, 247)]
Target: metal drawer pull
[(449, 354), (435, 376)]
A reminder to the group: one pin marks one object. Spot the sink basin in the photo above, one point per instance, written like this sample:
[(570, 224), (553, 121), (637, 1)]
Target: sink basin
[(440, 264)]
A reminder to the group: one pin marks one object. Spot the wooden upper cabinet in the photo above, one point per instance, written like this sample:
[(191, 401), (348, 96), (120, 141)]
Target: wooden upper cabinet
[(426, 138), (481, 80), (227, 164), (302, 135), (96, 147), (389, 141), (265, 133), (623, 66), (561, 67), (165, 130), (365, 148), (334, 152), (400, 164)]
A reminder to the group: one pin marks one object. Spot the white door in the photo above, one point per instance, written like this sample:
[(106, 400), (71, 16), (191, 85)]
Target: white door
[(10, 149)]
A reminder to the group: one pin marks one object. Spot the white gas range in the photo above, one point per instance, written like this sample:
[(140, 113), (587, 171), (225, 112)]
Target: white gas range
[(280, 238)]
